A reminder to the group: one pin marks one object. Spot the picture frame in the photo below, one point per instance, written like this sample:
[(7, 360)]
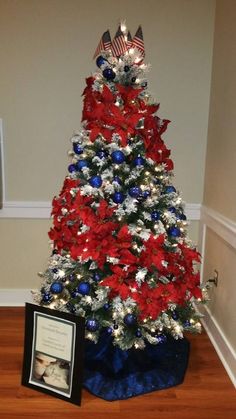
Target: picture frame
[(53, 352)]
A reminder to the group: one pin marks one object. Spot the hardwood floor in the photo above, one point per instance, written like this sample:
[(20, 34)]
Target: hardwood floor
[(207, 392)]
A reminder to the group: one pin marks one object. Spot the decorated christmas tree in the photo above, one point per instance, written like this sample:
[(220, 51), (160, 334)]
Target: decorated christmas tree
[(121, 257)]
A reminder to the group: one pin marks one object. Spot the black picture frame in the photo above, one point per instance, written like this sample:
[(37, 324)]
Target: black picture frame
[(53, 352)]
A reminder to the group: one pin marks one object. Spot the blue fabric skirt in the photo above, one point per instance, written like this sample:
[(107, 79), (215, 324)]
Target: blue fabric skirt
[(113, 374)]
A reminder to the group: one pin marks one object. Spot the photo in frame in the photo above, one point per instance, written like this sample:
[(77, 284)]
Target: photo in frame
[(53, 352)]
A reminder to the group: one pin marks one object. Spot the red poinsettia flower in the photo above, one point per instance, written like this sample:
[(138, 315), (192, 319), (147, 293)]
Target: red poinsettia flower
[(154, 255), (121, 281)]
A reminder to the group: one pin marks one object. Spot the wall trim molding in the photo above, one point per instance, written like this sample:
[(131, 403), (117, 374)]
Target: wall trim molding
[(221, 344), (42, 209), (226, 229)]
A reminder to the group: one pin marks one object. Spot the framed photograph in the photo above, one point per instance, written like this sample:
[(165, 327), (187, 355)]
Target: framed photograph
[(53, 352)]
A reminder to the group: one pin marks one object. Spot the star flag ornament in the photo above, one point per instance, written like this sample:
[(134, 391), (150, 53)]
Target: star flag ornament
[(138, 41), (104, 44), (118, 44)]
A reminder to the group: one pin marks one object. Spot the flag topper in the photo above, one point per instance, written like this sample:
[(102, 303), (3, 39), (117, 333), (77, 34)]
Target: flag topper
[(121, 42)]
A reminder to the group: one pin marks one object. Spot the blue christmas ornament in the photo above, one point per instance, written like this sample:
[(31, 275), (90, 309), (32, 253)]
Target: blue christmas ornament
[(74, 294), (77, 148), (172, 209), (56, 288), (155, 215), (118, 197), (135, 191), (174, 231), (55, 270), (96, 276), (95, 181), (117, 180), (106, 306), (72, 277), (81, 164), (109, 74), (187, 323), (71, 168), (130, 319), (181, 216), (83, 288), (92, 325), (139, 161), (161, 338), (102, 154), (115, 326), (138, 333), (109, 330), (100, 61), (47, 298), (146, 194), (174, 315), (157, 181), (118, 156), (169, 189)]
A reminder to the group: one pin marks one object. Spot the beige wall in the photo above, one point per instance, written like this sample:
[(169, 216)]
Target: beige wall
[(46, 53), (220, 177), (220, 185)]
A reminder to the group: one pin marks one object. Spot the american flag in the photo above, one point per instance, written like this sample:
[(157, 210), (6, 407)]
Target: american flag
[(104, 44), (118, 44), (129, 40), (138, 41)]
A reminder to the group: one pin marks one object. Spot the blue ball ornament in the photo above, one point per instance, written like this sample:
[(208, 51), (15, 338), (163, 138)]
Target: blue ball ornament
[(77, 148), (55, 270), (92, 325), (118, 197), (83, 288), (47, 298), (118, 156), (56, 287), (102, 154), (115, 326), (155, 215), (174, 231), (72, 277), (161, 338), (95, 181), (138, 333), (174, 315), (130, 319), (109, 330), (169, 189), (100, 61), (81, 164), (96, 276), (74, 294), (146, 194), (181, 216), (71, 168), (117, 180), (135, 191), (109, 74), (187, 323), (139, 161), (106, 306)]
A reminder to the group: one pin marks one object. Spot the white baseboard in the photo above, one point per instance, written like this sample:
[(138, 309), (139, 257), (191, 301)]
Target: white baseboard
[(42, 210), (221, 344), (14, 297), (226, 229)]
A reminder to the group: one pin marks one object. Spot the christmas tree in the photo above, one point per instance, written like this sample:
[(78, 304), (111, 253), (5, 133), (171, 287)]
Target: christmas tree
[(121, 257)]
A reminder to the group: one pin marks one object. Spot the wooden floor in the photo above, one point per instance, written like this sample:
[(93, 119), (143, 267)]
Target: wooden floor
[(207, 392)]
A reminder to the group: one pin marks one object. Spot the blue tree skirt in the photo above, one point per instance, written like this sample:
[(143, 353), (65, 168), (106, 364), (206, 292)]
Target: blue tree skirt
[(113, 374)]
